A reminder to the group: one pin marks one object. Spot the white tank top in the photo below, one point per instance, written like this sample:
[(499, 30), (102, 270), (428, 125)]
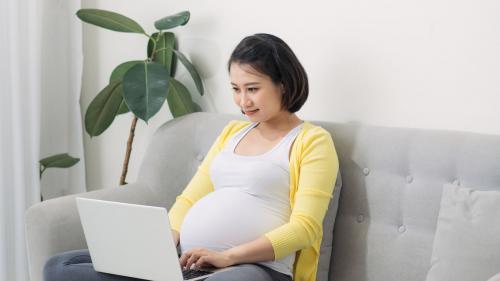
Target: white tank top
[(250, 198)]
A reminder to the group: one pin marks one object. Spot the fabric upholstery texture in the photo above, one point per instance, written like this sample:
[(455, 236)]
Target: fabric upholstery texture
[(467, 244), (392, 179)]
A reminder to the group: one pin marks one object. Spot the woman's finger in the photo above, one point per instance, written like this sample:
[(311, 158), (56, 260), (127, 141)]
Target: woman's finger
[(192, 259), (204, 260), (184, 257)]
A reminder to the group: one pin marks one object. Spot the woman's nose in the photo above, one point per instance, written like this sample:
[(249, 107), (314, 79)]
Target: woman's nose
[(244, 101)]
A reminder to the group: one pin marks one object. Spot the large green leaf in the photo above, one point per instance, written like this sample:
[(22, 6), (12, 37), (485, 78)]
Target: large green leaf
[(174, 57), (121, 69), (192, 71), (63, 160), (117, 75), (179, 99), (103, 109), (164, 49), (172, 21), (109, 20), (144, 88)]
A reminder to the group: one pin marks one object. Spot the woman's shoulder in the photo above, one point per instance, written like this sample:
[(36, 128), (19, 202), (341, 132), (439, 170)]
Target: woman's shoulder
[(316, 140), (313, 131)]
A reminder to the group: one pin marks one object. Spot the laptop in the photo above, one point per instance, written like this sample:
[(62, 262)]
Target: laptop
[(132, 240)]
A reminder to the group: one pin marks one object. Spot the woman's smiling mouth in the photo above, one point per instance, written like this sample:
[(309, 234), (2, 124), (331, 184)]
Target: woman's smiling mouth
[(251, 112)]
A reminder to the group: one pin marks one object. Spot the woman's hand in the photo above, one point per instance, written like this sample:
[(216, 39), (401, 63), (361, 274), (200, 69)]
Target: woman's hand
[(202, 257), (257, 250)]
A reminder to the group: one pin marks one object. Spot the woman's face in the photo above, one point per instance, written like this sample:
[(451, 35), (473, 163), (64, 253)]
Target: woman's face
[(255, 93)]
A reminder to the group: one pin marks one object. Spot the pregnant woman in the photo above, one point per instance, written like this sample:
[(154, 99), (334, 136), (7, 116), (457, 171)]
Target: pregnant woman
[(258, 199)]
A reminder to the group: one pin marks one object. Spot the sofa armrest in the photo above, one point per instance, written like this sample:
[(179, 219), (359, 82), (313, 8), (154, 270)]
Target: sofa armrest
[(54, 226)]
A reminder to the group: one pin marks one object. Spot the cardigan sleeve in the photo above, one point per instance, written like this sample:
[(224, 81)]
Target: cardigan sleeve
[(199, 185), (317, 174)]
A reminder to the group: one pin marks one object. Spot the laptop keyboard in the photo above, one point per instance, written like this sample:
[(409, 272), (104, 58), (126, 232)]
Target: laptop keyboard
[(193, 273)]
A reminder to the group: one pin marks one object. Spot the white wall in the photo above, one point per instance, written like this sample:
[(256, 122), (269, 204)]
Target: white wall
[(405, 63)]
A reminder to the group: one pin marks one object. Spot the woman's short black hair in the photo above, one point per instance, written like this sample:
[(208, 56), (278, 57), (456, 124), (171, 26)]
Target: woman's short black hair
[(271, 56)]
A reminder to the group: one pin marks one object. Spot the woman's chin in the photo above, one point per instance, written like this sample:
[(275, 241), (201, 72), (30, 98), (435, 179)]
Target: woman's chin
[(253, 118)]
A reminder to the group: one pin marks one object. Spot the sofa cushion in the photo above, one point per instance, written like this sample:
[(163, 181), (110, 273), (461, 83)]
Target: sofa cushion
[(466, 245)]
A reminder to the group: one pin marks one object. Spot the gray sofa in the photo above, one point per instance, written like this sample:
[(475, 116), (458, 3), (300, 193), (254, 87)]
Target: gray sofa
[(389, 198)]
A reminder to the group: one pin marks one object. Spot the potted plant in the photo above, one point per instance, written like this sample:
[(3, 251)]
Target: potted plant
[(63, 160), (141, 86)]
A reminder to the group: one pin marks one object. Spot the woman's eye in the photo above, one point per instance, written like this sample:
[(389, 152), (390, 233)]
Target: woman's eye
[(236, 90), (252, 90)]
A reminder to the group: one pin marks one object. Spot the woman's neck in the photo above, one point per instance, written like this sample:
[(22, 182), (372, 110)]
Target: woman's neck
[(279, 125)]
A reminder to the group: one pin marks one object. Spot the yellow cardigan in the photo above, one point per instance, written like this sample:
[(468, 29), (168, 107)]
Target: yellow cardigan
[(313, 171)]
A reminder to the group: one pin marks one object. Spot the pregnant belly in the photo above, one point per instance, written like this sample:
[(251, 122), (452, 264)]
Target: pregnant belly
[(226, 218)]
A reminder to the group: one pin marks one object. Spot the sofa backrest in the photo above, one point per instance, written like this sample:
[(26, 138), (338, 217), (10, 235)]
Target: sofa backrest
[(177, 149), (392, 179)]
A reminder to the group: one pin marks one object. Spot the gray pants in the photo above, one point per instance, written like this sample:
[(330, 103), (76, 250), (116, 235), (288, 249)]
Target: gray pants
[(77, 266)]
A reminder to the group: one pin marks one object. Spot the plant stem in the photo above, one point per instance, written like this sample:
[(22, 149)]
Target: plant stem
[(155, 41), (42, 169), (41, 172), (128, 151), (154, 45)]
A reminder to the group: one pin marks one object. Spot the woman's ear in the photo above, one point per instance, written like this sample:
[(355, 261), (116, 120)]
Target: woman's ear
[(282, 88)]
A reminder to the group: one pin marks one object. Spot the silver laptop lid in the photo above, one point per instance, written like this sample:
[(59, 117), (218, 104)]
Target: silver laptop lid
[(129, 239)]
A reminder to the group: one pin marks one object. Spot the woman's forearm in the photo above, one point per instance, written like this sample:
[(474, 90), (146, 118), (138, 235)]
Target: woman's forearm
[(257, 250)]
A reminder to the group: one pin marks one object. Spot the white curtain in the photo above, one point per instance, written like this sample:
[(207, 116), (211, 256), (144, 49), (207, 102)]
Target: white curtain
[(61, 71), (40, 74)]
